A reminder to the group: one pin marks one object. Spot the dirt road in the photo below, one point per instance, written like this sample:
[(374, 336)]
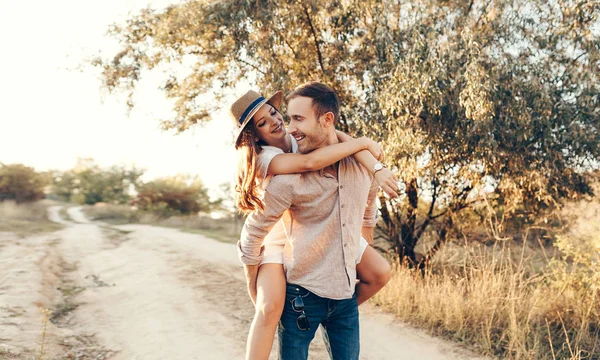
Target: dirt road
[(141, 292)]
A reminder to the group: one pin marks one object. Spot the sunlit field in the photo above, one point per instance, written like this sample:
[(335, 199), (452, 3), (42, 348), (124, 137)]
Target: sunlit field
[(26, 219), (515, 301)]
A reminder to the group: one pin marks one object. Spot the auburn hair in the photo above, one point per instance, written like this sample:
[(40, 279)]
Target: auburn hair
[(248, 197)]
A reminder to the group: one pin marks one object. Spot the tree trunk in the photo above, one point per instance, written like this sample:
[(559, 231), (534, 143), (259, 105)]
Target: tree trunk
[(406, 248)]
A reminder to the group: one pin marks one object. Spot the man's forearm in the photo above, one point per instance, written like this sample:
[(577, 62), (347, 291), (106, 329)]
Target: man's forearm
[(251, 275)]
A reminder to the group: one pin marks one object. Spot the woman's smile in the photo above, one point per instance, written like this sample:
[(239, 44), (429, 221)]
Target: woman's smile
[(277, 128)]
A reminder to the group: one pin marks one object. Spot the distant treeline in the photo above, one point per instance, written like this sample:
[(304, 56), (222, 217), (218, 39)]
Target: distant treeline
[(88, 183)]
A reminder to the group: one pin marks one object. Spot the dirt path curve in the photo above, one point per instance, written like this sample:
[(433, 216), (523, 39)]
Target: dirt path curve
[(142, 292)]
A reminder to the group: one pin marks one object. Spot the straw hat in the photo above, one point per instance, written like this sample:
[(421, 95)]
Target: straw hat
[(244, 108)]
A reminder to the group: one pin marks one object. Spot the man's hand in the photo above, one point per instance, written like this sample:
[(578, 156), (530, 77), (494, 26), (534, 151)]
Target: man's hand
[(251, 274), (388, 182)]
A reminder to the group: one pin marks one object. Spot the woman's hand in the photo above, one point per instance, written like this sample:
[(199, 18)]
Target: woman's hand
[(374, 148), (388, 182), (342, 136)]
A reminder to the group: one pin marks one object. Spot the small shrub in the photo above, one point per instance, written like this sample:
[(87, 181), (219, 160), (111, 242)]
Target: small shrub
[(178, 195), (20, 183)]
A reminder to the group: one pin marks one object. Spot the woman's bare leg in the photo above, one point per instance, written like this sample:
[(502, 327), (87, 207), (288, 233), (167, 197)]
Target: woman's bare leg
[(374, 272), (270, 298)]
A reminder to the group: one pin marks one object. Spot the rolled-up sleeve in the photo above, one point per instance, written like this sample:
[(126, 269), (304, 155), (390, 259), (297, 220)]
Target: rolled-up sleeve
[(277, 199), (370, 216)]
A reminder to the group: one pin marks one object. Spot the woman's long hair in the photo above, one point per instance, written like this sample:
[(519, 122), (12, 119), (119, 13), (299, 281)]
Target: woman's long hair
[(246, 186)]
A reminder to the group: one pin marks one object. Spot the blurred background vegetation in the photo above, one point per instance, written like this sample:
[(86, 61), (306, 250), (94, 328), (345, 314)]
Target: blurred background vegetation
[(119, 196), (489, 113)]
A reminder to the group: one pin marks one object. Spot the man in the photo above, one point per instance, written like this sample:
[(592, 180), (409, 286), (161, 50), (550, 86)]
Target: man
[(324, 214)]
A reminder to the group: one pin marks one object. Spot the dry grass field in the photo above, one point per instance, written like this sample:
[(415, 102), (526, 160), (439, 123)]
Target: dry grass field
[(511, 300), (26, 219)]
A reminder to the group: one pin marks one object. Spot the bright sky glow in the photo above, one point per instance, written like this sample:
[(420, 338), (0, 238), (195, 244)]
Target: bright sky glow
[(50, 114)]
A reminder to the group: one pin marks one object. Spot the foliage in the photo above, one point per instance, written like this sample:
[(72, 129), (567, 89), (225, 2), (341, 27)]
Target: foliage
[(493, 300), (63, 184), (493, 104), (88, 183), (20, 183), (174, 195)]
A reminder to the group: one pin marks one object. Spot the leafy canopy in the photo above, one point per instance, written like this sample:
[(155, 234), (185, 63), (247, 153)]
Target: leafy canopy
[(474, 101)]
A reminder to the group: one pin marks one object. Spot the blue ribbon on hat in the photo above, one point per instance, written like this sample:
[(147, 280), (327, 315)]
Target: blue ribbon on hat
[(249, 109)]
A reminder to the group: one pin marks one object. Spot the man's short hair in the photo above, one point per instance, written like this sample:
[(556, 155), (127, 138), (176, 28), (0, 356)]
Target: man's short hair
[(324, 99)]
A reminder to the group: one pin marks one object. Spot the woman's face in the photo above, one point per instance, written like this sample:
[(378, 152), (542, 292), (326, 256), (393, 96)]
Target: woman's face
[(268, 124)]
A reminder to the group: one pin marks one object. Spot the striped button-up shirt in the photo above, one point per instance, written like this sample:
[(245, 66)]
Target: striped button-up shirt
[(323, 216)]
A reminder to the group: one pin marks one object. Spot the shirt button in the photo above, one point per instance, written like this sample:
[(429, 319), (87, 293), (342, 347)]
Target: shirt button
[(343, 206), (341, 186), (345, 245), (343, 225)]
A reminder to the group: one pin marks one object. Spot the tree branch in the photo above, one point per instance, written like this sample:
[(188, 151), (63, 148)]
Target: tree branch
[(290, 46), (379, 248), (438, 244), (470, 7), (314, 33), (430, 212), (580, 55), (343, 122), (456, 208), (483, 12), (251, 65)]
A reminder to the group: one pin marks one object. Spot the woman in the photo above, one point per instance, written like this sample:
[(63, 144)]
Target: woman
[(265, 151)]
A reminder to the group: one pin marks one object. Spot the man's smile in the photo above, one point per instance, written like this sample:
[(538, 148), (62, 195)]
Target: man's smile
[(299, 137)]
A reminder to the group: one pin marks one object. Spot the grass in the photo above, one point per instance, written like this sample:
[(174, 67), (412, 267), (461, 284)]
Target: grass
[(499, 310), (511, 301), (26, 219), (62, 310), (64, 214), (225, 230), (112, 214), (222, 235), (46, 314)]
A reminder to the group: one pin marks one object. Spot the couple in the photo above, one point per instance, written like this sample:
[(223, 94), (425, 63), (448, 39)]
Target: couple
[(301, 245)]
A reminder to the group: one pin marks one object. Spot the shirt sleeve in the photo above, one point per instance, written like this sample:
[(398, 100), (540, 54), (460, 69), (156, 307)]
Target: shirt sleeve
[(263, 161), (277, 199), (370, 217)]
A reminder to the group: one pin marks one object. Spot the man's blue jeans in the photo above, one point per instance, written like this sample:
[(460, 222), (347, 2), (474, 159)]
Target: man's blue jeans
[(339, 319)]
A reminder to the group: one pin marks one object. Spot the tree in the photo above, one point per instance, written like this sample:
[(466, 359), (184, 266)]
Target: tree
[(20, 183), (489, 106), (174, 195), (88, 183), (62, 184)]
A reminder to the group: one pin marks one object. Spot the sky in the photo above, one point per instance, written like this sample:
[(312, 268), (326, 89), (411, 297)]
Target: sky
[(53, 109)]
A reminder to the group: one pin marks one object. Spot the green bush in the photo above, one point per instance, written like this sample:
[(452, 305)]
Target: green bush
[(20, 183), (173, 196), (88, 183)]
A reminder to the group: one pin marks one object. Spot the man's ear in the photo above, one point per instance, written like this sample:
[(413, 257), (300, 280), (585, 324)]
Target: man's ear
[(328, 119)]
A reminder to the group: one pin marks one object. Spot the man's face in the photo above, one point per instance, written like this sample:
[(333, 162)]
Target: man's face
[(304, 126)]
